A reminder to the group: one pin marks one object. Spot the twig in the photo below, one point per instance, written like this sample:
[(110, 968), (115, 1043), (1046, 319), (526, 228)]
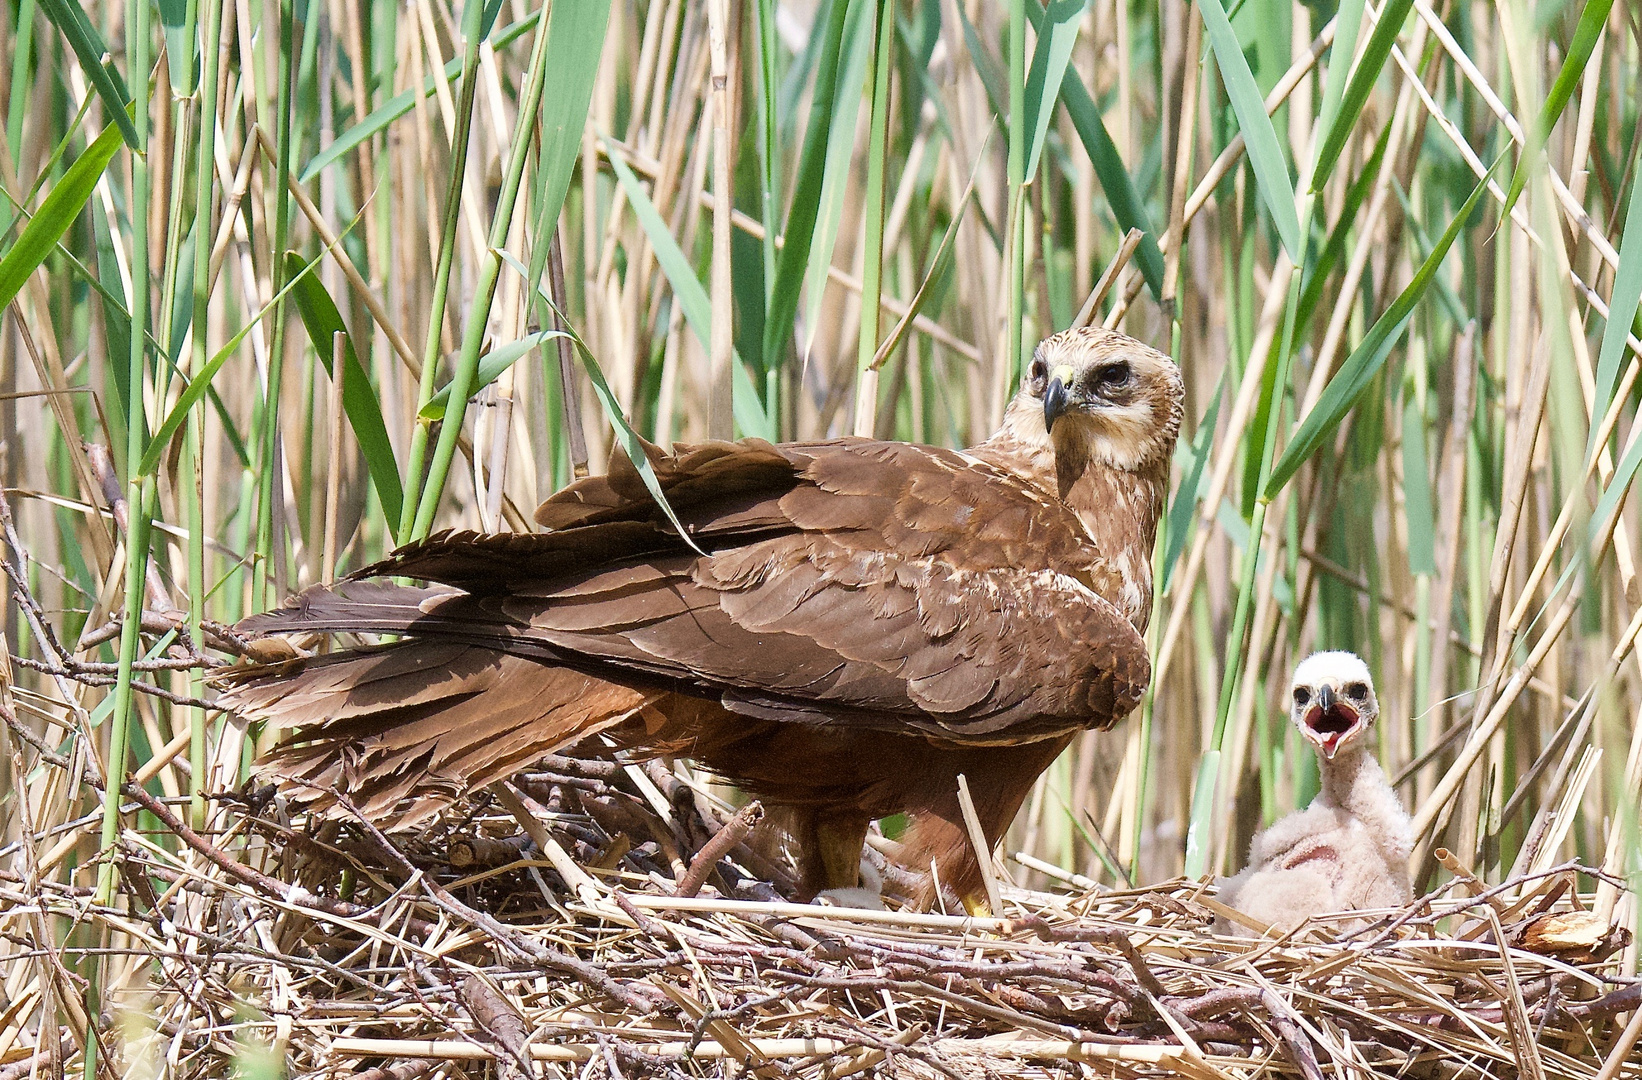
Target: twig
[(295, 895), (609, 1055), (72, 668), (102, 467), (1286, 1023), (501, 933), (731, 835), (1117, 939), (221, 636), (72, 671), (497, 1019), (404, 1070)]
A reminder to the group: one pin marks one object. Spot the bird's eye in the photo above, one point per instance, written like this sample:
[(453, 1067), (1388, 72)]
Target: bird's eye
[(1037, 373), (1112, 376), (1357, 691), (1301, 695)]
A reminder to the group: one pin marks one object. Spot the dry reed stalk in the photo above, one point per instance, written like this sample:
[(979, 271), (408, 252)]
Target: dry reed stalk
[(720, 425)]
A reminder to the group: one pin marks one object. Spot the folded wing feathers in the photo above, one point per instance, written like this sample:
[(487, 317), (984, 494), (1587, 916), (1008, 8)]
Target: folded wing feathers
[(850, 582), (355, 606)]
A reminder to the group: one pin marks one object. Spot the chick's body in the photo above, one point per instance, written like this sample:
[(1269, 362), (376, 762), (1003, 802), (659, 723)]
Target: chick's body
[(1349, 849)]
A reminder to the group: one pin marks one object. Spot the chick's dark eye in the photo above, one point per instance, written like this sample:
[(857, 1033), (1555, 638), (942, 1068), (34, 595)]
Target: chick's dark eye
[(1357, 691), (1037, 372), (1301, 695)]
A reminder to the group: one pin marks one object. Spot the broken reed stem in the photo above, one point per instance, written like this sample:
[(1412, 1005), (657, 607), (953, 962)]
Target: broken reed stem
[(1463, 875), (983, 850), (574, 876)]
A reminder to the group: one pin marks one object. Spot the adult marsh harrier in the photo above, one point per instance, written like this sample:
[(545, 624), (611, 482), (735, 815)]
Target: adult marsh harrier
[(869, 620)]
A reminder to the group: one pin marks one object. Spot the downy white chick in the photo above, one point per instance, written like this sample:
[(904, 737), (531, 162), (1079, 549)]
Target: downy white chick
[(1349, 849)]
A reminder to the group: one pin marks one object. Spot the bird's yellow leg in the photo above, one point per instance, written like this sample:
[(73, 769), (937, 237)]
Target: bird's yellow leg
[(976, 905), (839, 845), (831, 854)]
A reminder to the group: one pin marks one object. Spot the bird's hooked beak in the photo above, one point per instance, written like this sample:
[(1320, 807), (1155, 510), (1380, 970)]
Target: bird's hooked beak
[(1056, 396), (1330, 722)]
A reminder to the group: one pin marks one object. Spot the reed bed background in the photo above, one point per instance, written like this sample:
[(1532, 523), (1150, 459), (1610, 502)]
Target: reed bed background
[(253, 251)]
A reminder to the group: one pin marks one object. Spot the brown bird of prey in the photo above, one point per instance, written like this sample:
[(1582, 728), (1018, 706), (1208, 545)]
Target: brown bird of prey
[(857, 623)]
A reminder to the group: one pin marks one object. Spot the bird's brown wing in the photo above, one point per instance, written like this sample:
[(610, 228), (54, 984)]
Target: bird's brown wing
[(866, 584)]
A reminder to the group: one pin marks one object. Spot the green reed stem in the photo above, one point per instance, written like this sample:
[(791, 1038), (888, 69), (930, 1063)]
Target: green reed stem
[(140, 495), (872, 269), (1019, 137), (473, 337), (441, 277)]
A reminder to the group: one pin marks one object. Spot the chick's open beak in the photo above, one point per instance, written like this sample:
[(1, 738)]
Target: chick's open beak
[(1055, 395), (1330, 722)]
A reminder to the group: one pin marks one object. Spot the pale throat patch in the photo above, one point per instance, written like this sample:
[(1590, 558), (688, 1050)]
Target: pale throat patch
[(1119, 436)]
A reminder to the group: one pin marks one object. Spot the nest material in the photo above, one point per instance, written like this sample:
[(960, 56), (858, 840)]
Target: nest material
[(561, 948)]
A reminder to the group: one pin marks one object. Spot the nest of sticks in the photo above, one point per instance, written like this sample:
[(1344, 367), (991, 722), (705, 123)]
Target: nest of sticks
[(599, 919)]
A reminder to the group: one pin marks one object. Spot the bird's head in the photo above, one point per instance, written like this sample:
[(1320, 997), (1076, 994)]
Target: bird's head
[(1106, 398), (1332, 700)]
